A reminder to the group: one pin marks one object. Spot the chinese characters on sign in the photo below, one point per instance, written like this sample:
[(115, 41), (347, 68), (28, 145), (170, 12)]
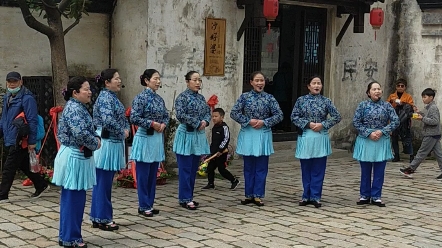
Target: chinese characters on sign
[(214, 53)]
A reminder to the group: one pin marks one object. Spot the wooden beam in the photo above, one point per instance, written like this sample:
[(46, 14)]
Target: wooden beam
[(240, 3), (244, 2), (248, 16), (349, 4), (358, 26), (344, 29)]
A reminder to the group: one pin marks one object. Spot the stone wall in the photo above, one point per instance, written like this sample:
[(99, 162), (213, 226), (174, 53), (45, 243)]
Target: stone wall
[(27, 51), (169, 36)]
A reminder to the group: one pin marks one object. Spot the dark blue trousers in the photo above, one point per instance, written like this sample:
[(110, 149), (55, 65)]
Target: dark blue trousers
[(255, 174), (368, 188), (187, 168), (146, 184), (101, 208), (72, 204), (313, 172), (407, 140)]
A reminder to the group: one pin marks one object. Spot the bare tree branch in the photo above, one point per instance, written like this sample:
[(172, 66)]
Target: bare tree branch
[(72, 25), (76, 20), (63, 5), (31, 21)]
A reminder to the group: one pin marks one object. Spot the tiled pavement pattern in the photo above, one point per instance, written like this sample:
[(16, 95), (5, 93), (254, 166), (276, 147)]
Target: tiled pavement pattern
[(412, 218)]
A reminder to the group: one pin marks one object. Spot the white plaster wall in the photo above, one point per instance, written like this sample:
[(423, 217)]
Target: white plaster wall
[(27, 51), (129, 45), (346, 91), (169, 36), (420, 61)]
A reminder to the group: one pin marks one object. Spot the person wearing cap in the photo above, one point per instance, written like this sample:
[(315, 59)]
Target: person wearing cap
[(403, 104), (18, 99)]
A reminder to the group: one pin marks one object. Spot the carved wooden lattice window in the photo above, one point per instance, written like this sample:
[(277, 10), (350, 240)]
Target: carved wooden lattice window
[(252, 54)]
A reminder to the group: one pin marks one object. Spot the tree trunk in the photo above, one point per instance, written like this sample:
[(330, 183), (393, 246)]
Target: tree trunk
[(60, 76)]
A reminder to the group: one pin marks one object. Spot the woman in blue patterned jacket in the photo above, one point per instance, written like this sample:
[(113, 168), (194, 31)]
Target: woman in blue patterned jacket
[(74, 167), (374, 119), (190, 139), (310, 116), (113, 127), (257, 112), (149, 113)]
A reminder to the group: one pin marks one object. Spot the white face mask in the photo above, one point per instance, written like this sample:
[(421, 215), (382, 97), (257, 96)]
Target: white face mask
[(14, 91)]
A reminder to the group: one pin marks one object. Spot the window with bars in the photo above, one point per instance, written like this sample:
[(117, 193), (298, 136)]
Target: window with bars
[(252, 54)]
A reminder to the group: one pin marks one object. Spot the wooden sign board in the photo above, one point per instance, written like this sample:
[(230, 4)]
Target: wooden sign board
[(215, 47)]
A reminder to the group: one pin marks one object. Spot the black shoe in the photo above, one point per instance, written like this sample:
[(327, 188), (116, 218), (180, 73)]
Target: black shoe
[(209, 186), (439, 177), (304, 203), (363, 201), (247, 201), (258, 202), (83, 245), (378, 203), (145, 213), (38, 192), (317, 204), (407, 172), (234, 184), (189, 206), (396, 158), (106, 227)]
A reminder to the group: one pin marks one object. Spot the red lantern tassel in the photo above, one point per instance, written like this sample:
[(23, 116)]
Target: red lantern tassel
[(375, 35), (268, 30)]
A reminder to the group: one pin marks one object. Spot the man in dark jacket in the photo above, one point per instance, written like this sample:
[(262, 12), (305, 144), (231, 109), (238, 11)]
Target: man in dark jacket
[(403, 104), (18, 99)]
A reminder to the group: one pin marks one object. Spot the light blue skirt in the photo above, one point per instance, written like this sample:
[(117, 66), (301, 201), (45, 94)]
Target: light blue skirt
[(368, 150), (255, 142), (190, 143), (72, 170), (313, 144), (110, 156), (147, 148)]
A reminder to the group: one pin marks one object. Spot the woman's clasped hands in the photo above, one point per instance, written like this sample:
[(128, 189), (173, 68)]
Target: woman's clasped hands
[(376, 135), (159, 127), (255, 123)]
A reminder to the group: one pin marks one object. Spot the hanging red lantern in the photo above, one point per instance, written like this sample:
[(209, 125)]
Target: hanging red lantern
[(376, 19), (270, 10)]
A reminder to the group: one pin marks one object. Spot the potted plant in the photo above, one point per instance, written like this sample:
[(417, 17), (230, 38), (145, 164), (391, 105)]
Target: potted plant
[(125, 179), (162, 175)]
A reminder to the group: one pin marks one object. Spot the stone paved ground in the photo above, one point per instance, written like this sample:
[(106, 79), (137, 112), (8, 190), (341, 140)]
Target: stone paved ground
[(412, 218)]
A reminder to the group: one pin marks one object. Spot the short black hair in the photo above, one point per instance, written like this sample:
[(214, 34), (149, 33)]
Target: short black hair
[(188, 75), (147, 74), (369, 87), (402, 81), (220, 111), (429, 92), (105, 75), (74, 84), (313, 77), (256, 73)]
